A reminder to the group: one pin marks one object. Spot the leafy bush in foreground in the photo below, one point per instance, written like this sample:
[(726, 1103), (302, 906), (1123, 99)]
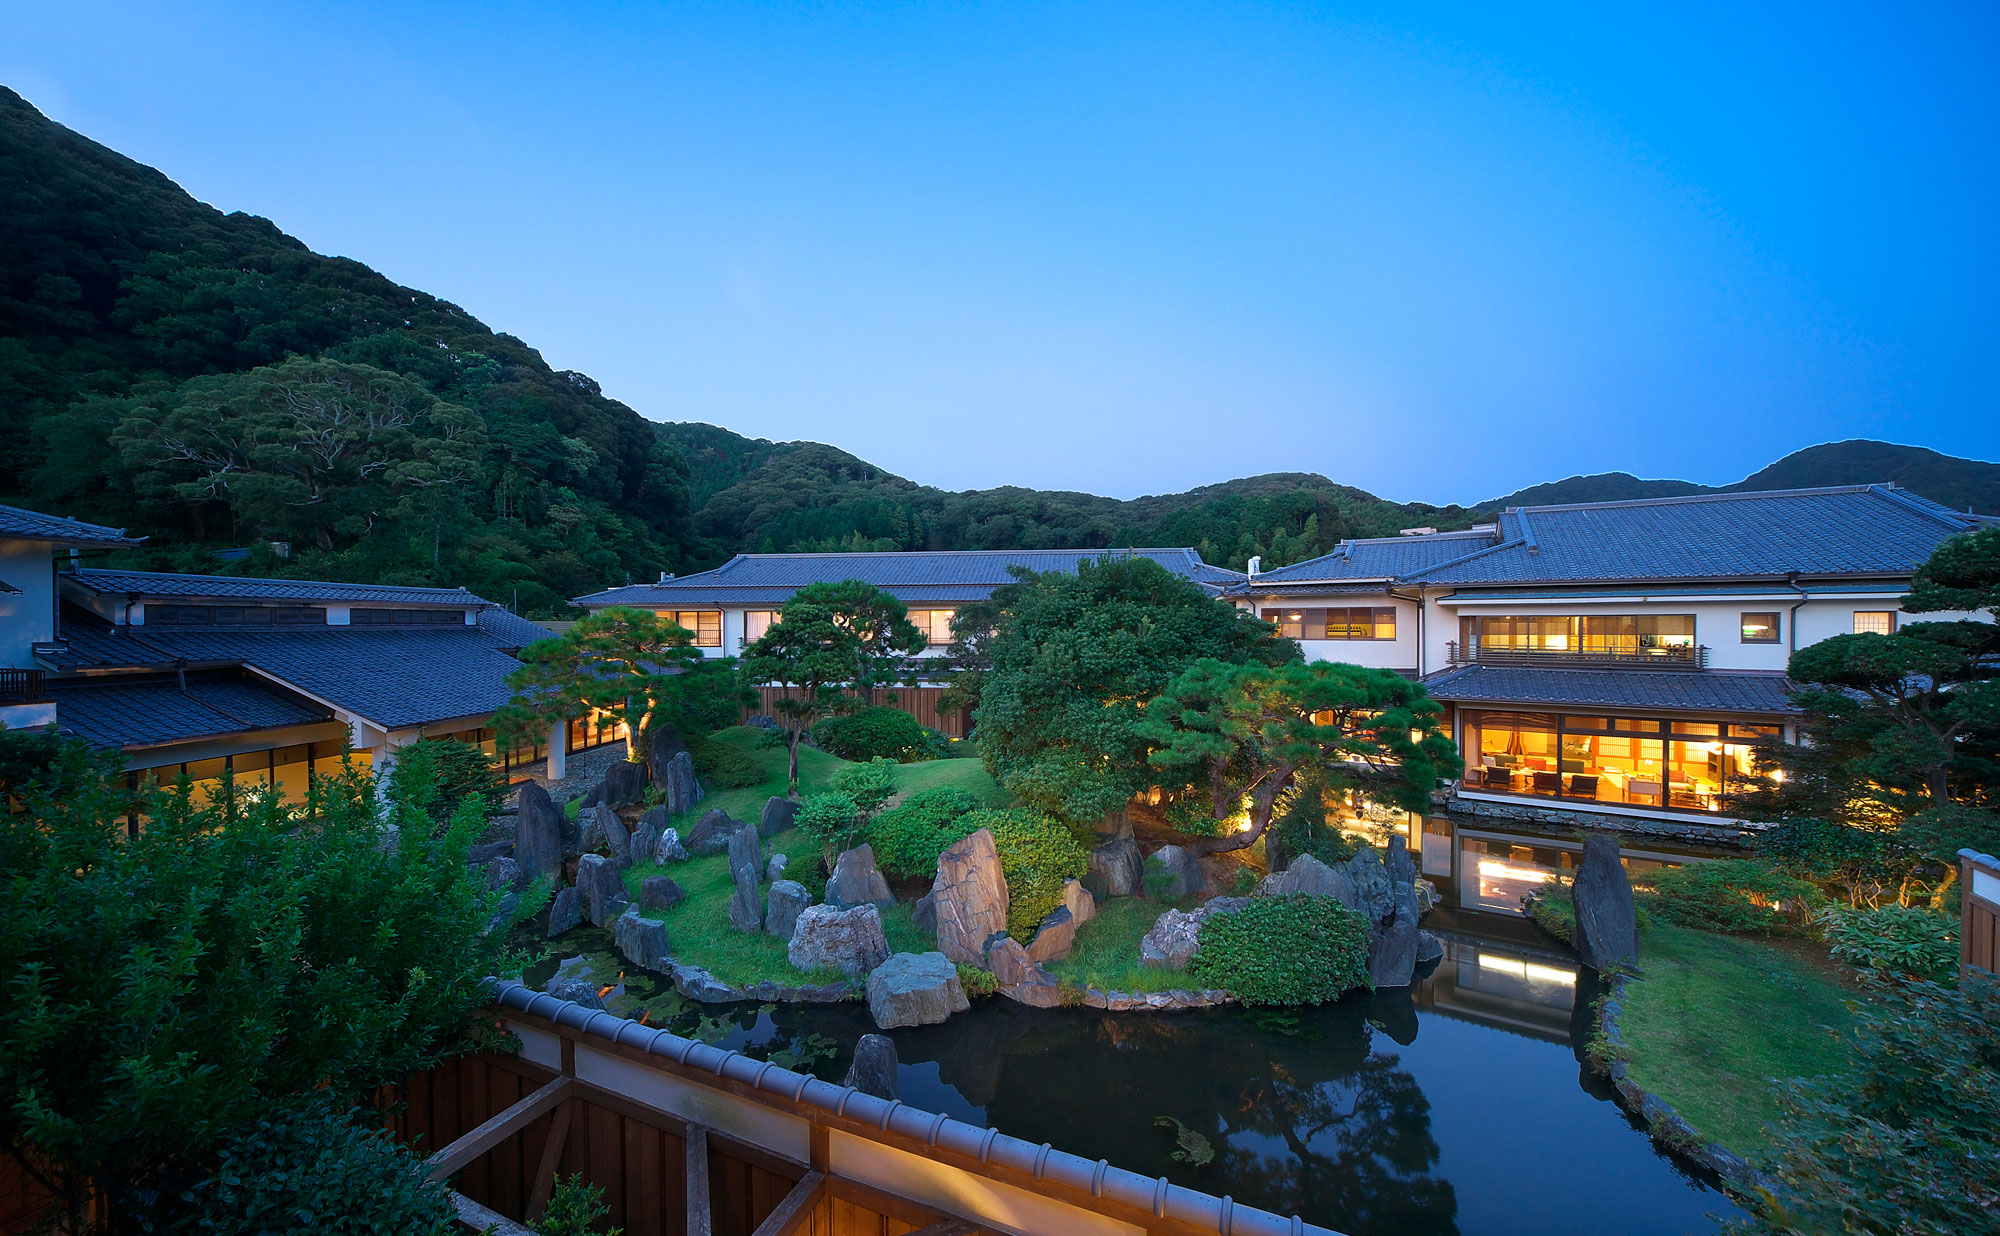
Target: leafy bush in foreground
[(1284, 950), (1912, 940), (1735, 895), (909, 836), (311, 1169), (1904, 1141)]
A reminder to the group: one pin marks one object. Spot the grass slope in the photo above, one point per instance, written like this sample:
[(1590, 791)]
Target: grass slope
[(699, 926), (1718, 1018)]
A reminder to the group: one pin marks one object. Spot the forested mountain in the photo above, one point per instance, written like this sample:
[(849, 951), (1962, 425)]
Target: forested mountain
[(208, 381), (1962, 484)]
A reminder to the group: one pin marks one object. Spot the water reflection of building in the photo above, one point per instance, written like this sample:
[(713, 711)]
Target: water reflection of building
[(1523, 987)]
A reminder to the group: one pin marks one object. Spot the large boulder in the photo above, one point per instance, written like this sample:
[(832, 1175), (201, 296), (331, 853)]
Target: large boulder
[(745, 855), (538, 822), (669, 848), (782, 908), (1402, 873), (1429, 948), (856, 880), (660, 893), (1172, 940), (646, 834), (1116, 863), (663, 743), (682, 790), (578, 990), (566, 911), (642, 941), (1311, 877), (746, 906), (779, 814), (969, 898), (826, 938), (604, 897), (1079, 901), (1392, 958), (915, 989), (486, 851), (711, 833), (1607, 929), (503, 873), (1375, 897), (1172, 872), (602, 829), (1009, 961), (1054, 937), (874, 1068), (624, 785)]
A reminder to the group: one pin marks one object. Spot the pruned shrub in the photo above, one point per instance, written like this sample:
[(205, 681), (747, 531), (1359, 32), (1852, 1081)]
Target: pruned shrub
[(1913, 940), (977, 982), (879, 733), (721, 766), (830, 819), (1284, 950), (1736, 895), (1038, 853), (310, 1168), (435, 775), (869, 785), (909, 836)]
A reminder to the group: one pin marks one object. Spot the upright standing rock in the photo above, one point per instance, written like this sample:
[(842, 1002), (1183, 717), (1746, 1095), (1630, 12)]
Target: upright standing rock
[(856, 880), (969, 897), (603, 892), (643, 941), (850, 941), (1079, 901), (787, 901), (669, 849), (774, 866), (1392, 958), (565, 912), (1054, 937), (1374, 895), (663, 743), (874, 1068), (624, 785), (1172, 871), (683, 791), (537, 834), (646, 834), (744, 854), (746, 907), (1607, 929), (779, 815), (1116, 863), (1402, 875)]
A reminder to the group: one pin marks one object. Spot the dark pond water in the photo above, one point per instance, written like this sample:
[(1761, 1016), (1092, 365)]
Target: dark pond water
[(1456, 1106)]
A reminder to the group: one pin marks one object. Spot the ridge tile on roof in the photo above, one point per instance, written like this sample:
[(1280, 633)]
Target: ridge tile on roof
[(245, 587), (23, 524)]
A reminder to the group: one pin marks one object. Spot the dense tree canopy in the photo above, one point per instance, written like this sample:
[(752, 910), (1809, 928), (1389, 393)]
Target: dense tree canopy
[(1076, 657)]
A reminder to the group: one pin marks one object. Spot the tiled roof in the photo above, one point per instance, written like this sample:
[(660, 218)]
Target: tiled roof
[(35, 526), (115, 713), (1844, 531), (1667, 690), (393, 676), (236, 587), (947, 575)]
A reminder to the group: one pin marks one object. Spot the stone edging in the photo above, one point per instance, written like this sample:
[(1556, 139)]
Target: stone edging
[(700, 985), (1155, 1001), (1665, 1125)]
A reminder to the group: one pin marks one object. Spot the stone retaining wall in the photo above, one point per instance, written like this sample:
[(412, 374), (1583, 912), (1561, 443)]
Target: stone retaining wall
[(1667, 1126), (1569, 817), (1154, 1001)]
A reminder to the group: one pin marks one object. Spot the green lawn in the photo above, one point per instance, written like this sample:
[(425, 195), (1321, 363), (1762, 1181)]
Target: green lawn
[(1717, 1017), (699, 926), (1106, 953)]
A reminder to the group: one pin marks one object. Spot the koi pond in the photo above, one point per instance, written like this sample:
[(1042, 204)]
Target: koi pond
[(1457, 1106)]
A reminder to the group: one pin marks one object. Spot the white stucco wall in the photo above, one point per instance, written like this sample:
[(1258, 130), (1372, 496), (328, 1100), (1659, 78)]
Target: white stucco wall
[(27, 617)]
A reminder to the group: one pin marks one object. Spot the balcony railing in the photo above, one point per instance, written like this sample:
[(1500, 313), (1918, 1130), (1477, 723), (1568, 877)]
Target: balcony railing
[(1668, 657), (23, 686)]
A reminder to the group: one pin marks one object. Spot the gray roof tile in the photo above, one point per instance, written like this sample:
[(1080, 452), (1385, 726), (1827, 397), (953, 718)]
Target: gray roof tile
[(245, 588), (1664, 690), (117, 712), (917, 576), (35, 526)]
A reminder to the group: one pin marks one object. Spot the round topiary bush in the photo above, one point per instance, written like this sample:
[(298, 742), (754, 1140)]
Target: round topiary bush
[(909, 836), (1284, 950), (879, 733)]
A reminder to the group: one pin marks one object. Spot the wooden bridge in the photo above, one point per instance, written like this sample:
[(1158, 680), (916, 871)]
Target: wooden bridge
[(691, 1140)]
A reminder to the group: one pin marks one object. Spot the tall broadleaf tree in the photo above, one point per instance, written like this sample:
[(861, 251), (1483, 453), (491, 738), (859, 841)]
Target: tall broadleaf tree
[(833, 644), (631, 663), (1244, 736)]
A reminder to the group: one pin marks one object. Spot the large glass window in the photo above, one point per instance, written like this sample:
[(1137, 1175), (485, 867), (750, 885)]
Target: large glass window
[(1760, 628), (934, 623), (1353, 622), (756, 622), (704, 624), (1626, 634), (1634, 761)]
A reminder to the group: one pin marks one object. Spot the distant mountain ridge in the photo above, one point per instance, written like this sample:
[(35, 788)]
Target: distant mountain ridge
[(1961, 484)]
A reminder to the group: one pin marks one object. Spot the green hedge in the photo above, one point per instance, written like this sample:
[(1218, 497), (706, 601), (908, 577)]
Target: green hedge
[(721, 766), (879, 733), (1736, 895), (1284, 950), (909, 836)]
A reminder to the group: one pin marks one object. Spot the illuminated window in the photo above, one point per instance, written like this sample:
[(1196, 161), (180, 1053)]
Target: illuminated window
[(1760, 628), (1376, 622), (1874, 622), (934, 623), (704, 624), (756, 622)]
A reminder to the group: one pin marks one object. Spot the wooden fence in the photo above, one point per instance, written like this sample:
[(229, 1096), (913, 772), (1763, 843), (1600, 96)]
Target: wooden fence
[(690, 1140), (1978, 912), (919, 702)]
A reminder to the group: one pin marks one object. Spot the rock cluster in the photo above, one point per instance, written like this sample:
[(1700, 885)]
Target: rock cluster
[(1056, 934), (624, 785), (711, 833), (1383, 891)]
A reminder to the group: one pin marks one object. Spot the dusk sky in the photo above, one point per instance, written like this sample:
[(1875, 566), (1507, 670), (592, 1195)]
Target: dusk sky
[(1137, 249)]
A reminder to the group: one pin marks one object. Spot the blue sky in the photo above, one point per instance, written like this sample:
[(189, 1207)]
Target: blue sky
[(1437, 254)]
